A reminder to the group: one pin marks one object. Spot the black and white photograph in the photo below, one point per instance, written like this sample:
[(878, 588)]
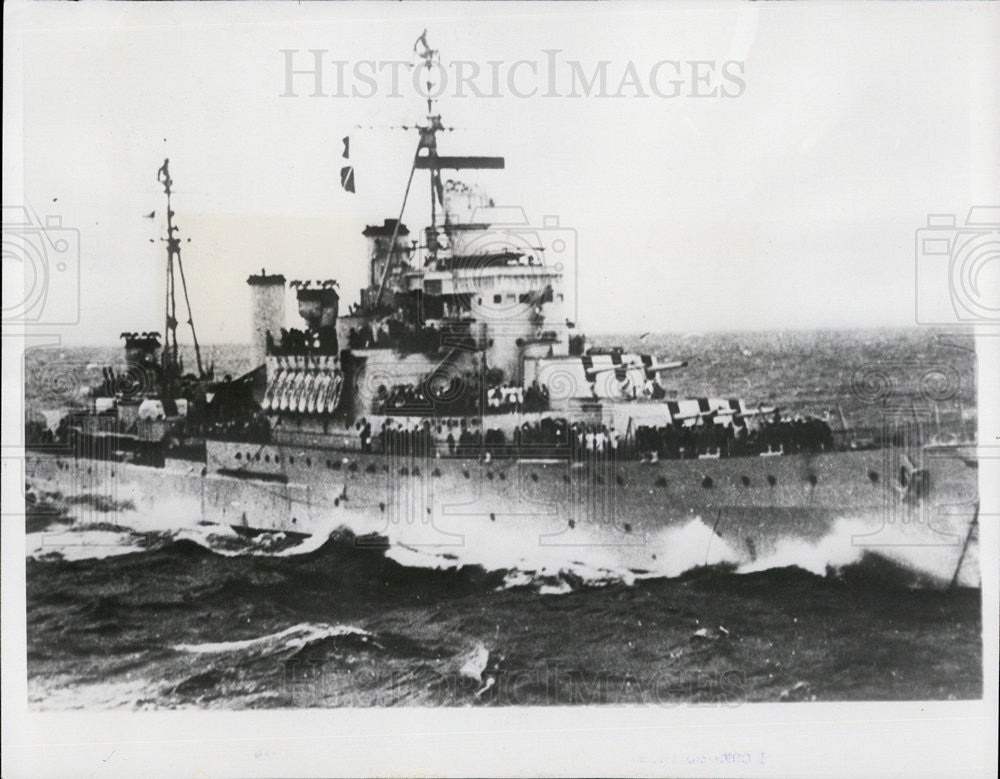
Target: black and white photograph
[(500, 388)]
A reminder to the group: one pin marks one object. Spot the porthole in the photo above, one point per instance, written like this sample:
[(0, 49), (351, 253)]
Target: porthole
[(309, 462), (707, 482), (291, 461), (873, 477), (239, 456), (267, 458), (745, 480), (661, 482), (771, 480), (813, 479)]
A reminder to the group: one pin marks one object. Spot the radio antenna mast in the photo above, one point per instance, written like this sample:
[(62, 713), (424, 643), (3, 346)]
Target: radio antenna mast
[(171, 363), (430, 161)]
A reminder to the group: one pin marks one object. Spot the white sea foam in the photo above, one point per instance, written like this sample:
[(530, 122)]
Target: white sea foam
[(680, 548), (562, 588), (225, 541), (516, 546), (475, 662), (417, 558), (834, 550), (48, 695), (929, 551), (553, 572), (677, 550), (518, 549), (79, 543), (294, 637)]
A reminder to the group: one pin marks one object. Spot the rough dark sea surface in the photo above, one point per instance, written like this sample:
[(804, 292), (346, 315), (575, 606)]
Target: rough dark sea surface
[(204, 617)]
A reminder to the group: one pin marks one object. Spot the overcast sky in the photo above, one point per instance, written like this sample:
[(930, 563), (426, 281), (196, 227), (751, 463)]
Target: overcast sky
[(790, 203)]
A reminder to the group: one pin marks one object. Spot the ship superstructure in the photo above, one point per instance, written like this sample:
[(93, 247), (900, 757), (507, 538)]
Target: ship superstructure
[(466, 323)]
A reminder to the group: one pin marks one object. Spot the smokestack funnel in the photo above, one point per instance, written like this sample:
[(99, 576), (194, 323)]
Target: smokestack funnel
[(141, 348), (318, 305), (267, 293)]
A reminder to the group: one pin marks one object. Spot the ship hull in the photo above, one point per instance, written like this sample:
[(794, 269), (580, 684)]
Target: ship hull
[(662, 517)]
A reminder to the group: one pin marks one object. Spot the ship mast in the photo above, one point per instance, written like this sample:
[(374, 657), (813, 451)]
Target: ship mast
[(430, 161), (171, 362)]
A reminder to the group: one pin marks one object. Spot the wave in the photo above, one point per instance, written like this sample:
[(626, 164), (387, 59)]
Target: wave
[(293, 638), (833, 551), (679, 551), (76, 528), (551, 570), (227, 541), (928, 560), (74, 544)]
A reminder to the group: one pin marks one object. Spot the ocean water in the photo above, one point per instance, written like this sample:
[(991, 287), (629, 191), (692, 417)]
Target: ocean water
[(198, 615)]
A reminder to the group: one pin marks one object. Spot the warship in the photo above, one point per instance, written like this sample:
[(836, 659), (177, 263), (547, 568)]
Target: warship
[(455, 415)]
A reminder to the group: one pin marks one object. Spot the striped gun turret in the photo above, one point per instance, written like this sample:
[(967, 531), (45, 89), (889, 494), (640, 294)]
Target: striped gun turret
[(718, 409), (611, 375)]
